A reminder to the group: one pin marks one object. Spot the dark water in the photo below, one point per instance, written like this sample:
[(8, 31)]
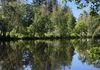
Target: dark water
[(78, 54)]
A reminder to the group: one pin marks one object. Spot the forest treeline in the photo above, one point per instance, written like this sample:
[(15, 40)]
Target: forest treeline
[(45, 18)]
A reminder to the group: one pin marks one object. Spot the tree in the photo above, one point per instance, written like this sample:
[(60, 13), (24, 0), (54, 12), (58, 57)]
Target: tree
[(81, 25), (41, 18), (87, 23), (65, 23), (27, 17)]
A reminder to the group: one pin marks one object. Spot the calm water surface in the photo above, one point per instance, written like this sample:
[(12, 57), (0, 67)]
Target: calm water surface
[(80, 54)]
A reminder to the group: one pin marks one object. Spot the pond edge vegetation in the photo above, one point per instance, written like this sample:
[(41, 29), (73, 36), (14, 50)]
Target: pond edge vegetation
[(46, 20)]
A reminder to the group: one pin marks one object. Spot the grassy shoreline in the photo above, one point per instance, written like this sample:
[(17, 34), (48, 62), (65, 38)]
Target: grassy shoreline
[(47, 38)]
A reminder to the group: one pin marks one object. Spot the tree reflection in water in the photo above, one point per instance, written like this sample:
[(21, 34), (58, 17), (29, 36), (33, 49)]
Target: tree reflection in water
[(89, 51), (47, 55)]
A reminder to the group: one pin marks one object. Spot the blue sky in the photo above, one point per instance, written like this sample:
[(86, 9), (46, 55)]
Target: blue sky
[(76, 12)]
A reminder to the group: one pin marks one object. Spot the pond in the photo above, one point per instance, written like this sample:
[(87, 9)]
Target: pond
[(71, 54)]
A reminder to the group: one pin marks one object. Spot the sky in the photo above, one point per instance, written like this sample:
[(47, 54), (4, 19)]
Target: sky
[(76, 12)]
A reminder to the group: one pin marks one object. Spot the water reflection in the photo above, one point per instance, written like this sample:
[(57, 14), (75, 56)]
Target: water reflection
[(49, 55)]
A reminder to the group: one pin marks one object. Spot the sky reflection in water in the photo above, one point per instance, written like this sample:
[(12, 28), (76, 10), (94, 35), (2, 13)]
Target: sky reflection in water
[(78, 54)]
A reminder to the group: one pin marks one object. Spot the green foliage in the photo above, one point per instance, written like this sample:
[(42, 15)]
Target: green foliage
[(87, 24), (28, 16), (42, 18), (63, 25), (42, 25), (81, 25)]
